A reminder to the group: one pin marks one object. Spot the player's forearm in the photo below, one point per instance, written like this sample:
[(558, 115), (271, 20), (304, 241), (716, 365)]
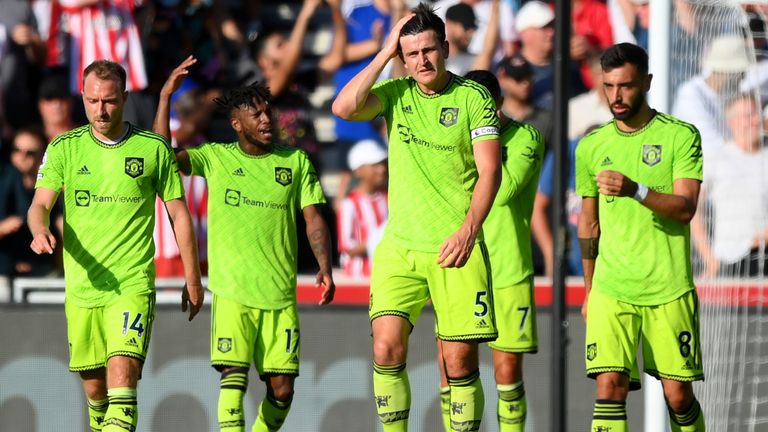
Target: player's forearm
[(38, 219), (675, 207), (351, 100), (482, 198), (161, 123), (320, 241), (184, 232)]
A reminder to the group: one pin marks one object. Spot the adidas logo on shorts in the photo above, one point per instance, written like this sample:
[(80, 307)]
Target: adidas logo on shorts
[(132, 342), (523, 338), (482, 324)]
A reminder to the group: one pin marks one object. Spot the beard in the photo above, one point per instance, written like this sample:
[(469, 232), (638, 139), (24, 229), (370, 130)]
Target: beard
[(251, 138), (633, 107)]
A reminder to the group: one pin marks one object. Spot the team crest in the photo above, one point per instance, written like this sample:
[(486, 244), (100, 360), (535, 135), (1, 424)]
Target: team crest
[(448, 116), (591, 351), (651, 154), (134, 166), (225, 345), (284, 176)]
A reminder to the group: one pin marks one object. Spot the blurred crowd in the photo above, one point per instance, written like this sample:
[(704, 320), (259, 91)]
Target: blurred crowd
[(306, 51)]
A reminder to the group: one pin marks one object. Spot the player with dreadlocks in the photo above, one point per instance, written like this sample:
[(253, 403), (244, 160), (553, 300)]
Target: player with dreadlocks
[(255, 188)]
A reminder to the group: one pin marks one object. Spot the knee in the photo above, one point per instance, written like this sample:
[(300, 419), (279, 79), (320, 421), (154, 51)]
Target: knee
[(679, 397), (282, 391), (123, 372), (612, 386), (388, 351), (508, 370)]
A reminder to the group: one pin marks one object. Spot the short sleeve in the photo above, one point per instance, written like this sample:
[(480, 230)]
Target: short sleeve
[(385, 90), (311, 191), (51, 172), (169, 185), (483, 120), (688, 162), (586, 186), (198, 160)]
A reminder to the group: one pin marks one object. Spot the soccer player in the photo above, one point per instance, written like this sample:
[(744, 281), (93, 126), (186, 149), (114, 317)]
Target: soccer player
[(639, 177), (444, 173), (254, 190), (111, 172), (508, 233)]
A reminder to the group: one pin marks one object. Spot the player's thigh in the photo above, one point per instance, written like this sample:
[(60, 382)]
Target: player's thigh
[(128, 325), (515, 318), (463, 297), (85, 334), (613, 333), (233, 333), (398, 287), (278, 342), (671, 344)]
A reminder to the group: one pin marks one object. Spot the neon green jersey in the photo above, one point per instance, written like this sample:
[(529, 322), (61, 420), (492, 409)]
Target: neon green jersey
[(643, 258), (252, 202), (431, 161), (109, 203), (508, 226)]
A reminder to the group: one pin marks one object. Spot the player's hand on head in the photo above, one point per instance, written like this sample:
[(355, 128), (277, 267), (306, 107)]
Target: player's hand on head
[(456, 249), (176, 78), (324, 280), (192, 298), (614, 183), (43, 242), (393, 40)]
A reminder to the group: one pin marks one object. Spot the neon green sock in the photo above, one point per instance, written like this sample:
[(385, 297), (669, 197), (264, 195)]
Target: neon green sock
[(272, 414), (467, 402), (690, 421), (97, 410), (445, 407), (512, 407), (232, 388), (122, 414), (393, 396), (610, 415)]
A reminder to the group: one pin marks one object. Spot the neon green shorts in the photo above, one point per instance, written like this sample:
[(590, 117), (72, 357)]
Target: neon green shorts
[(516, 318), (403, 280), (241, 335), (670, 336), (121, 328)]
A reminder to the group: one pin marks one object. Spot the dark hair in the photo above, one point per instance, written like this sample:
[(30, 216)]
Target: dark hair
[(243, 97), (424, 20), (487, 80), (106, 70), (618, 55)]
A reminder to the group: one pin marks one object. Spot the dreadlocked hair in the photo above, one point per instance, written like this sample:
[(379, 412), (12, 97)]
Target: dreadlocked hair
[(243, 97)]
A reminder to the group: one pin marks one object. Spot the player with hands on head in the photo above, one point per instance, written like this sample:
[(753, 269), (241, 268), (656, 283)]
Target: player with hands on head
[(444, 159)]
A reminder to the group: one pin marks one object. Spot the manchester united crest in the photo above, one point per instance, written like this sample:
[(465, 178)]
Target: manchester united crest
[(651, 154), (284, 176), (134, 166), (449, 116)]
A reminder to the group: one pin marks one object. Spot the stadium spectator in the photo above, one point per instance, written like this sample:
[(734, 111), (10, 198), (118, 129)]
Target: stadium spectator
[(630, 21), (516, 79), (108, 268), (433, 178), (508, 235), (13, 204), (508, 40), (460, 26), (28, 147), (591, 34), (20, 63), (588, 109), (55, 104), (735, 185), (535, 24), (639, 281), (253, 265), (363, 213), (700, 100)]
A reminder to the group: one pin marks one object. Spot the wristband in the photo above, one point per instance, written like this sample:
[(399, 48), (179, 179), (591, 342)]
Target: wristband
[(641, 193)]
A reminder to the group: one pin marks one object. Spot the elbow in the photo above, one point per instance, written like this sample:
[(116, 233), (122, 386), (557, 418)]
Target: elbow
[(686, 217), (341, 111)]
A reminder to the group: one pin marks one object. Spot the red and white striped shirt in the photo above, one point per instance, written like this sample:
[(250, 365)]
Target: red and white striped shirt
[(104, 30), (360, 219)]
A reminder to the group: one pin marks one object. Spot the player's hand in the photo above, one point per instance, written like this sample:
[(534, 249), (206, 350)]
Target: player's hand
[(614, 183), (192, 297), (393, 40), (177, 76), (324, 280), (455, 251), (43, 242)]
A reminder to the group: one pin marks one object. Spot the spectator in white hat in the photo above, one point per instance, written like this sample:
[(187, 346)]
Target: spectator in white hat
[(700, 100), (363, 212)]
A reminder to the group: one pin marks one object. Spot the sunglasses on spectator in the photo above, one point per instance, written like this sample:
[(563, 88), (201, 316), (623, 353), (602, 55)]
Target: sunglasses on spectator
[(25, 152)]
